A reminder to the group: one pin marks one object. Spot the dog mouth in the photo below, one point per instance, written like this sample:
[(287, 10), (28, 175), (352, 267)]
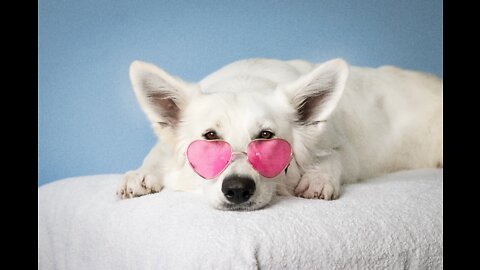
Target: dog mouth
[(256, 202), (246, 206)]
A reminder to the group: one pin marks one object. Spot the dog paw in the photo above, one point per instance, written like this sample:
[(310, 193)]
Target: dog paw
[(317, 186), (137, 183)]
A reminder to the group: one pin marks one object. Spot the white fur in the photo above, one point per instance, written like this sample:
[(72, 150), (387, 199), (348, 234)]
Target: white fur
[(356, 123)]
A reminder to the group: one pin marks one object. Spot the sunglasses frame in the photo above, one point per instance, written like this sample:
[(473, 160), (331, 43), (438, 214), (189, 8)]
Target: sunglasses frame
[(243, 152)]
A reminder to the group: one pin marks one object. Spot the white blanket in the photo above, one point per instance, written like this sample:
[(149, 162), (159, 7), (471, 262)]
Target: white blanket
[(392, 222)]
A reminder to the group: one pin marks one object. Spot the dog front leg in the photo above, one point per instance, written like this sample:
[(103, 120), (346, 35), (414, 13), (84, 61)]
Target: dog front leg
[(146, 179), (322, 179)]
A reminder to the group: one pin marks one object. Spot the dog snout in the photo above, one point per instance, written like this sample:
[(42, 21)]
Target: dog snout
[(238, 189)]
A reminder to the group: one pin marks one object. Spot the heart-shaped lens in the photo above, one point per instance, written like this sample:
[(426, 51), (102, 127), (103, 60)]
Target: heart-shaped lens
[(269, 157), (209, 158)]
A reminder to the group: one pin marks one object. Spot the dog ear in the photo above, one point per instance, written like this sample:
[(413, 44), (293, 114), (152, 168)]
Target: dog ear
[(316, 94), (161, 96)]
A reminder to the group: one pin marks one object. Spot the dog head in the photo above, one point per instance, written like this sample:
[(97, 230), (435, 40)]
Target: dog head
[(239, 110)]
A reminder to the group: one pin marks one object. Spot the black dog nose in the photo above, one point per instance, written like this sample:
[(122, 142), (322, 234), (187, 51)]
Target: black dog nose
[(238, 189)]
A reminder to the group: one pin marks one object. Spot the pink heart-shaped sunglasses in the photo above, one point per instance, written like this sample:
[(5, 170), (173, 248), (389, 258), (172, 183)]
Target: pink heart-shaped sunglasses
[(269, 157)]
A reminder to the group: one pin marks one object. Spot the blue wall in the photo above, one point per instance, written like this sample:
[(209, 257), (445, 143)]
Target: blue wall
[(88, 119)]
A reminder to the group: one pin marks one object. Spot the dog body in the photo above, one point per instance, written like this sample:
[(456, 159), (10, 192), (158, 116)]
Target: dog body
[(344, 124)]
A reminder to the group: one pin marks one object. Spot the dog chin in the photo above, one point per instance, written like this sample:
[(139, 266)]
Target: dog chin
[(250, 205), (246, 206)]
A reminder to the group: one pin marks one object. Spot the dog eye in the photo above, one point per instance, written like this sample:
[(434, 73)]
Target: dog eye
[(211, 135), (265, 134)]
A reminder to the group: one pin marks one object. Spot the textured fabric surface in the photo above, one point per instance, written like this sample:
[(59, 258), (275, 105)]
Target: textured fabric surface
[(391, 222)]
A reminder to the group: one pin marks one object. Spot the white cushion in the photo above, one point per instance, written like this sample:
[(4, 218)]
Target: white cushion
[(392, 222)]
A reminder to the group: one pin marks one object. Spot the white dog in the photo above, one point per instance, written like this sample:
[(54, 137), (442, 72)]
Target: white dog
[(343, 123)]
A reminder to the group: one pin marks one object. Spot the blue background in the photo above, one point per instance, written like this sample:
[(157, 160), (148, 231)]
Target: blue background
[(88, 119)]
